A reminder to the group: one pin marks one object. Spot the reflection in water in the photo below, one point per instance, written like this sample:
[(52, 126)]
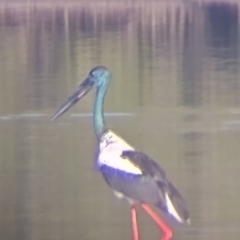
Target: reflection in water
[(174, 66), (223, 25)]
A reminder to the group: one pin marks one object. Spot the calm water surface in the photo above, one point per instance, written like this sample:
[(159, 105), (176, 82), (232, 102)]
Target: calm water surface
[(175, 94)]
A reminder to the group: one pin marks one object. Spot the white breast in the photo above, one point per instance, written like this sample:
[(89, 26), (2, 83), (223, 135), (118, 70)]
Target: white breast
[(111, 147)]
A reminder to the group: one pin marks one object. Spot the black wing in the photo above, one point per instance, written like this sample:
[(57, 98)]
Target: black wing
[(146, 164), (151, 187), (152, 170)]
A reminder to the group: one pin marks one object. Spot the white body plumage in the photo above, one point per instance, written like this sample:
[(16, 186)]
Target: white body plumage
[(111, 147)]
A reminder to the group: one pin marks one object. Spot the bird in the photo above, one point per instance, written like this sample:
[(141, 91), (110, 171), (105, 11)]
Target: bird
[(130, 173)]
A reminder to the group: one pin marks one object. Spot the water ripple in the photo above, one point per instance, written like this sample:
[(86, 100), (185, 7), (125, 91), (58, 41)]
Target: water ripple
[(39, 115)]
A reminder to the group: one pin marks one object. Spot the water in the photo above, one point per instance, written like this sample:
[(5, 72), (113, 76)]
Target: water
[(175, 95)]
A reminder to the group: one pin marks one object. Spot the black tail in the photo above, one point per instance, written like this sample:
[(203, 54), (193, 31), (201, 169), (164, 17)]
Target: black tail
[(174, 204)]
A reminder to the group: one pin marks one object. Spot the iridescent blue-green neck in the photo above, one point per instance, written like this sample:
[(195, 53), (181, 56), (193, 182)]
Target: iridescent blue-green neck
[(98, 117)]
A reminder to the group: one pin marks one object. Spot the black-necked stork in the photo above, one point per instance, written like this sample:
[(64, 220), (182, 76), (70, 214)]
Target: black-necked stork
[(130, 173)]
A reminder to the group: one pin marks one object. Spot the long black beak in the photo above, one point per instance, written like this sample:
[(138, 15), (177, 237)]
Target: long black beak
[(82, 89)]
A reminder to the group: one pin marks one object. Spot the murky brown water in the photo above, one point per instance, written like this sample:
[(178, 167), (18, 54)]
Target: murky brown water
[(175, 94)]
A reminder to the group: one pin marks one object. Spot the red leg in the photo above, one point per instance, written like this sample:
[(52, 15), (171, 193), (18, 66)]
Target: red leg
[(167, 232), (134, 223)]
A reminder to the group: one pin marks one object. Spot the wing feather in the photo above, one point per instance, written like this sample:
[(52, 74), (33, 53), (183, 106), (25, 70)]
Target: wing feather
[(170, 199)]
